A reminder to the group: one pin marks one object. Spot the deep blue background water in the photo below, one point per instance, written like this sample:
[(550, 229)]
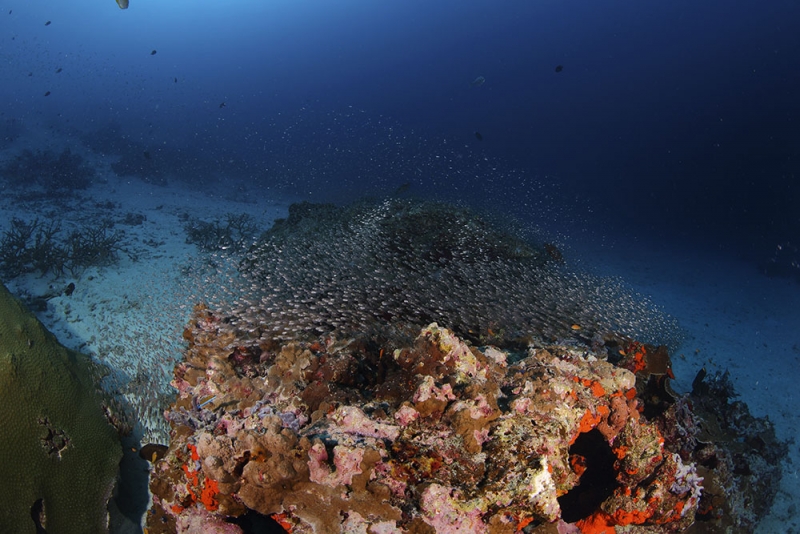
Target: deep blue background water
[(681, 119)]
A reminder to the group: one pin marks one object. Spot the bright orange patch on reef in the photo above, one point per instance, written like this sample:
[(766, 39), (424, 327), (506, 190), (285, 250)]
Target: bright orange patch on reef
[(594, 385), (597, 523), (282, 520), (597, 389), (588, 422), (577, 463), (193, 450), (524, 523), (639, 356), (207, 496), (634, 517), (191, 476)]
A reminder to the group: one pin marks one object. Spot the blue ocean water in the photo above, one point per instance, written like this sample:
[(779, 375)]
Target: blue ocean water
[(674, 116), (671, 124)]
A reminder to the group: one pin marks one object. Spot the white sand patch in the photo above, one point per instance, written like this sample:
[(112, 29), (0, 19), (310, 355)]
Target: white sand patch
[(131, 315)]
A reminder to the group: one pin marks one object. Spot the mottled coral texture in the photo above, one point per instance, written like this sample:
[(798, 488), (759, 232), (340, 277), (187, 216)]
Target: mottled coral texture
[(362, 435)]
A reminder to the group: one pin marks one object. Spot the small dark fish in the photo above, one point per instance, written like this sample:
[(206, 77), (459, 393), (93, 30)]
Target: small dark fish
[(402, 189), (9, 11), (47, 93), (146, 154), (48, 23), (478, 136), (59, 69), (697, 384), (222, 105), (154, 52), (477, 82), (176, 80), (559, 68), (30, 74), (70, 289)]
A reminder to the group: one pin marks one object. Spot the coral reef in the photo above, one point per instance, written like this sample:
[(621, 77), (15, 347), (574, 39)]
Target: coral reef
[(742, 450), (326, 397), (57, 175), (369, 434), (58, 451), (36, 246), (235, 234)]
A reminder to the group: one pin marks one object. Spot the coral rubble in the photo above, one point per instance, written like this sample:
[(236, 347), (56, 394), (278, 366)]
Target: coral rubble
[(366, 434)]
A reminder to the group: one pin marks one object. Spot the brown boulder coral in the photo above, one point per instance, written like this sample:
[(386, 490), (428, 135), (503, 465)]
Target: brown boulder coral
[(59, 453)]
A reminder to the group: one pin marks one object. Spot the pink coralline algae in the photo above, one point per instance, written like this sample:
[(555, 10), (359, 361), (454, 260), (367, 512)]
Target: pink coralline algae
[(367, 436)]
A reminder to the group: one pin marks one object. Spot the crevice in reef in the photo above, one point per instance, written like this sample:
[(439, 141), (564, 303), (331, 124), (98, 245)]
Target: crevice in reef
[(597, 482)]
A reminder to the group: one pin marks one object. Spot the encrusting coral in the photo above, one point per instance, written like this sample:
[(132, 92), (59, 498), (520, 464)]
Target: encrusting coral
[(360, 435)]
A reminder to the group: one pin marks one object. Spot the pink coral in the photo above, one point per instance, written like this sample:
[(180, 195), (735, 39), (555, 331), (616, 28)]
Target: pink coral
[(444, 510), (352, 420), (346, 459)]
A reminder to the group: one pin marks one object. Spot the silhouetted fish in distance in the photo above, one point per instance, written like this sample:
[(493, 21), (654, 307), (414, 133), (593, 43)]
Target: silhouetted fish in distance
[(477, 82), (402, 189), (48, 23), (478, 136), (123, 4), (559, 68), (153, 53), (47, 93)]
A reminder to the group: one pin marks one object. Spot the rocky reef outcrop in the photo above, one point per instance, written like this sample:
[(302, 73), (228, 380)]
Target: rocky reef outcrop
[(359, 435), (406, 366)]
